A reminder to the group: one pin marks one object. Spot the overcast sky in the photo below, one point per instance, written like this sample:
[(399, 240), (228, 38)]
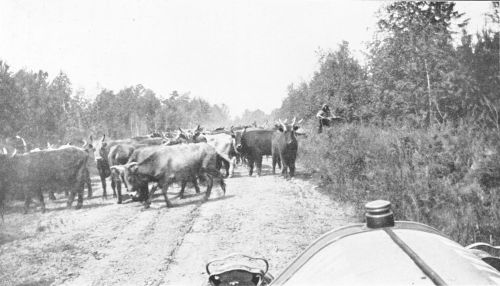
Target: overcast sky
[(241, 53)]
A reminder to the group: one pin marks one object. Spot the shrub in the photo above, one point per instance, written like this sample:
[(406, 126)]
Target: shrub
[(426, 174)]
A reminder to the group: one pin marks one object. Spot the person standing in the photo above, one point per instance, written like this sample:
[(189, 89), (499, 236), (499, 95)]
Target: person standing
[(324, 116)]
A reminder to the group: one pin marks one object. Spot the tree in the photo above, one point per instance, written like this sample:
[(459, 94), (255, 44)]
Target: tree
[(408, 61)]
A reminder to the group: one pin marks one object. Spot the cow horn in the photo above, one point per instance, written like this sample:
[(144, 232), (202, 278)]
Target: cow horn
[(131, 165), (24, 143), (300, 121), (5, 150), (103, 137), (286, 119), (91, 139), (84, 143), (283, 124), (293, 121), (14, 154)]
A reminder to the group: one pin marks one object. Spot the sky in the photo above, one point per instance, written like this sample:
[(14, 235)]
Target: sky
[(241, 53)]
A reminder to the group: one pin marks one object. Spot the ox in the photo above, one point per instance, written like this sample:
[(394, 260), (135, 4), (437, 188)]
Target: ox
[(224, 144), (168, 164), (87, 147), (33, 170), (102, 156), (285, 147), (253, 143)]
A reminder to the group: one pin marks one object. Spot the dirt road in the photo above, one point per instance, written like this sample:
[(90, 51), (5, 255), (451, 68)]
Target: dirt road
[(109, 244)]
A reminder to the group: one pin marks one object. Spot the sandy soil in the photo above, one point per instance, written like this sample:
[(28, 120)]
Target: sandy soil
[(109, 244)]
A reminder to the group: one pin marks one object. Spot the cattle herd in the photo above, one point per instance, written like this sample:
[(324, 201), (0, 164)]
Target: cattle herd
[(143, 164)]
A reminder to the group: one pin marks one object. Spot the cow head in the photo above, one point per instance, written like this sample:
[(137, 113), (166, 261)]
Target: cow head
[(127, 172), (100, 148), (89, 148), (239, 141), (288, 130)]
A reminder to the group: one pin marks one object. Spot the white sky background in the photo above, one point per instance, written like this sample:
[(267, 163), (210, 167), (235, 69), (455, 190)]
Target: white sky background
[(241, 53)]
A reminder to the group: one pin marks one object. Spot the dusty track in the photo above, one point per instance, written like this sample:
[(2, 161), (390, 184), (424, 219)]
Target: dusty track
[(109, 244)]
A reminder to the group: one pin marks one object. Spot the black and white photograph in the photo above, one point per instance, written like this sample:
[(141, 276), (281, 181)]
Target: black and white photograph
[(249, 142)]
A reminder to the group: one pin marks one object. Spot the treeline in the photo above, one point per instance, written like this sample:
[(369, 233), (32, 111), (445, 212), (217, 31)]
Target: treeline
[(421, 122), (416, 74), (43, 110)]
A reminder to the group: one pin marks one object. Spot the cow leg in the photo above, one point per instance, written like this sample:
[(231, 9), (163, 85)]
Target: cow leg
[(80, 188), (27, 200), (113, 187), (89, 184), (103, 182), (232, 165), (250, 167), (218, 162), (124, 181), (40, 198), (143, 192), (183, 186), (210, 183), (292, 169), (195, 184), (284, 168), (147, 202), (275, 160), (164, 191), (222, 185), (258, 162), (119, 190), (226, 166), (71, 197)]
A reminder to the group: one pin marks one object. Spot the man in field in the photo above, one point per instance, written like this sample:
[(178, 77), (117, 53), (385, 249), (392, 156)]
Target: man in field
[(324, 116)]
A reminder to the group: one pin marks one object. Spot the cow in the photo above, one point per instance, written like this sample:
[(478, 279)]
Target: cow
[(119, 155), (284, 147), (253, 143), (224, 144), (222, 141), (102, 152), (87, 147), (31, 171), (168, 164)]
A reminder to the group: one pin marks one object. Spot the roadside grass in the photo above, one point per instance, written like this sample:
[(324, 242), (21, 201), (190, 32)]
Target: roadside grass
[(445, 177)]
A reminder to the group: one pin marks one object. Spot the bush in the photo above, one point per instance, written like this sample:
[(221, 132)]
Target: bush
[(426, 174)]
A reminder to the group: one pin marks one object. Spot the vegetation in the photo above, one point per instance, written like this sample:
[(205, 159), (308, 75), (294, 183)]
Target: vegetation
[(421, 120), (44, 111)]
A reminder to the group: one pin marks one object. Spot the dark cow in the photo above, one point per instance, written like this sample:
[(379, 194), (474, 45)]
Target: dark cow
[(285, 147), (142, 188), (87, 147), (168, 164), (102, 152), (253, 143), (119, 155), (33, 170)]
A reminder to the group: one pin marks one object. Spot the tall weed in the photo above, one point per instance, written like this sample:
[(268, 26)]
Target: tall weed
[(426, 174)]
